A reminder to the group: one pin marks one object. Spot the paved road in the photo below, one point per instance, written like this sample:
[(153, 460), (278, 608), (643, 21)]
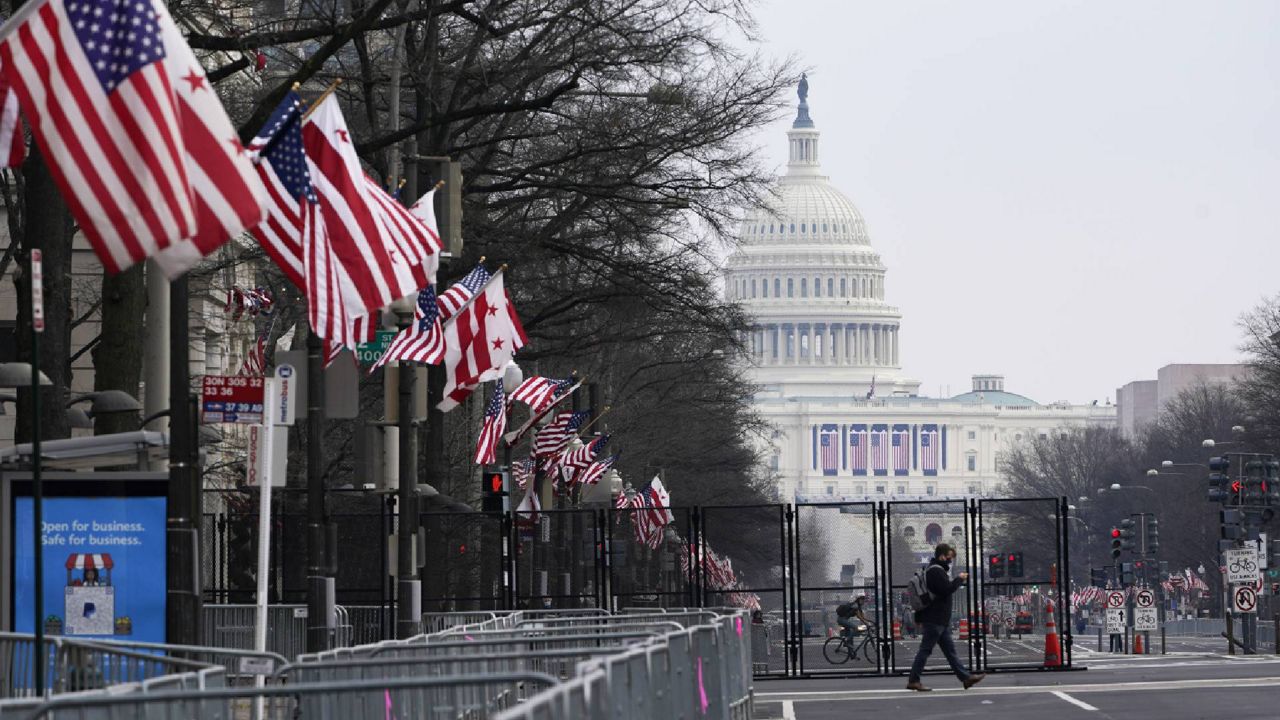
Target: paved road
[(1155, 687)]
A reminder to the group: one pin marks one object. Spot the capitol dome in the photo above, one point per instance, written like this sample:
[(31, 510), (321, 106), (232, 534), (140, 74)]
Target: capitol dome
[(807, 273)]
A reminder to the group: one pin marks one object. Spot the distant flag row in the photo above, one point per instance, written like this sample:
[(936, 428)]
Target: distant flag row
[(248, 301)]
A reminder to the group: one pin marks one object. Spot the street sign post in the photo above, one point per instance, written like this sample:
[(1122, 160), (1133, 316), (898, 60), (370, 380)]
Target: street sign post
[(1242, 565), (1116, 621), (370, 352), (232, 399), (1244, 599), (1145, 615)]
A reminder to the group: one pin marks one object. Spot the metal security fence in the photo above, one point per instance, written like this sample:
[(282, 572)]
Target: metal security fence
[(686, 662)]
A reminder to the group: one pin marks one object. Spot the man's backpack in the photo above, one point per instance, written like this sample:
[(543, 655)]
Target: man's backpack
[(844, 611), (918, 591)]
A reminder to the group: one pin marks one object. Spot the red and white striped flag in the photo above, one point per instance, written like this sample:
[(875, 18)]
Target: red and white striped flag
[(522, 471), (13, 146), (495, 423), (539, 392), (133, 133), (555, 435), (421, 342), (255, 363), (596, 470), (376, 251), (479, 340), (571, 461)]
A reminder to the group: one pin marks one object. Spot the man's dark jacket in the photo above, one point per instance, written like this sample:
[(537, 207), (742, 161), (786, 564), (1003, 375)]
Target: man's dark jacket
[(937, 578)]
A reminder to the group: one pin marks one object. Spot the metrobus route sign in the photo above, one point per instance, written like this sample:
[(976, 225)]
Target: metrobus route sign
[(231, 399)]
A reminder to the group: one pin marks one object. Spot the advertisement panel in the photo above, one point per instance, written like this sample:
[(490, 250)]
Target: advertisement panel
[(104, 567)]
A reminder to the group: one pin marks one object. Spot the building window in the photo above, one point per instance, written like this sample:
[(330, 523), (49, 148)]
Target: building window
[(831, 489), (972, 460), (753, 287), (817, 287), (831, 287), (774, 462), (804, 287), (973, 488), (901, 489), (957, 531), (933, 533), (909, 532), (879, 489), (1044, 436), (973, 435), (844, 289), (801, 228), (791, 287), (793, 228), (862, 488), (777, 287), (764, 288), (1017, 436), (930, 489)]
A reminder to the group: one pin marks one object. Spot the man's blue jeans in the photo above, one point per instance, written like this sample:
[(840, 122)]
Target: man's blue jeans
[(939, 635)]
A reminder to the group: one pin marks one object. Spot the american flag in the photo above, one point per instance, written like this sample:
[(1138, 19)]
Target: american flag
[(880, 449), (638, 507), (929, 449), (460, 292), (536, 417), (131, 128), (291, 201), (858, 449), (1194, 582), (255, 363), (479, 340), (901, 450), (495, 423), (522, 471), (421, 342), (13, 147), (596, 470), (829, 449), (254, 301), (570, 461), (539, 392), (374, 250), (552, 438)]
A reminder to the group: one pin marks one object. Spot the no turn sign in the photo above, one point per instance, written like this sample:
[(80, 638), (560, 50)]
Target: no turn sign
[(1245, 599), (1115, 599), (1145, 598)]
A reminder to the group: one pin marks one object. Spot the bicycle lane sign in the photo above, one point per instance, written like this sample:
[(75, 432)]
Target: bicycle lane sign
[(1242, 565)]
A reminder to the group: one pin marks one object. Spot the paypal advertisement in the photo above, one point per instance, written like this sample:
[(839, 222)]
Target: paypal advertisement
[(104, 567)]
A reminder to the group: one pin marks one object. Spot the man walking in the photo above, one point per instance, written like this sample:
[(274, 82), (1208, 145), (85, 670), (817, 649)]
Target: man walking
[(935, 620)]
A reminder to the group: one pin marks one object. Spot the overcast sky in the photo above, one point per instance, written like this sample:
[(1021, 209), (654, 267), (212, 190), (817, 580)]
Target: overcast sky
[(1072, 194)]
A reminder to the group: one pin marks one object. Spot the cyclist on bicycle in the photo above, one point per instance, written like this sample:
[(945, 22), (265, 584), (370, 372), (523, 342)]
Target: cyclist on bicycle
[(850, 616)]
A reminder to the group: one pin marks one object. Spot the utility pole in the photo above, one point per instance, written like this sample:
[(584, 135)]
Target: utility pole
[(182, 528), (320, 589), (408, 586)]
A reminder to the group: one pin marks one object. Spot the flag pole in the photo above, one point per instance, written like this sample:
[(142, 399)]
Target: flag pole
[(315, 104), (596, 419)]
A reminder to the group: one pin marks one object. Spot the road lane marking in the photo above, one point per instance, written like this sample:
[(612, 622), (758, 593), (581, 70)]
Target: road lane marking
[(1078, 703), (788, 710), (1079, 689)]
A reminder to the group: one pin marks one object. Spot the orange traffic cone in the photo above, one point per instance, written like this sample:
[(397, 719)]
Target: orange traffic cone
[(1052, 649), (964, 628), (897, 630), (1137, 644)]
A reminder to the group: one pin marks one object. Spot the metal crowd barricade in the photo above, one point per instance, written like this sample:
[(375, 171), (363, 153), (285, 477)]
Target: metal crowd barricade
[(450, 696), (77, 665), (232, 626), (240, 665)]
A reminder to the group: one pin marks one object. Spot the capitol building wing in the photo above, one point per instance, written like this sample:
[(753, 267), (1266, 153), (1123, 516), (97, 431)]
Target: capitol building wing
[(824, 350)]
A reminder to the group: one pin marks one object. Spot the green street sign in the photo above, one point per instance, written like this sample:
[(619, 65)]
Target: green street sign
[(369, 353)]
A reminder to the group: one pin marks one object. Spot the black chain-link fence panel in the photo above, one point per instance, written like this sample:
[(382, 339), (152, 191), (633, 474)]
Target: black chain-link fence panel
[(463, 567), (641, 575), (1021, 564), (750, 542), (558, 560)]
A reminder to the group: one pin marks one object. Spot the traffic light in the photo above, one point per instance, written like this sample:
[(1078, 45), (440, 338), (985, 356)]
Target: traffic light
[(1098, 577), (1272, 486), (1153, 534), (1015, 565), (1126, 574), (1231, 524), (1220, 486), (242, 556), (1253, 490), (1127, 535), (1115, 543), (1275, 555), (493, 491), (996, 567)]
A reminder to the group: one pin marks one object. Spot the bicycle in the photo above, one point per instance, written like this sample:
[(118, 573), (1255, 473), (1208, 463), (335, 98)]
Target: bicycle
[(842, 648)]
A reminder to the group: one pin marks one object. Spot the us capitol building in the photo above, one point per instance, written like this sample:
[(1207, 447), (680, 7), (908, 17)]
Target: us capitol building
[(824, 353)]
